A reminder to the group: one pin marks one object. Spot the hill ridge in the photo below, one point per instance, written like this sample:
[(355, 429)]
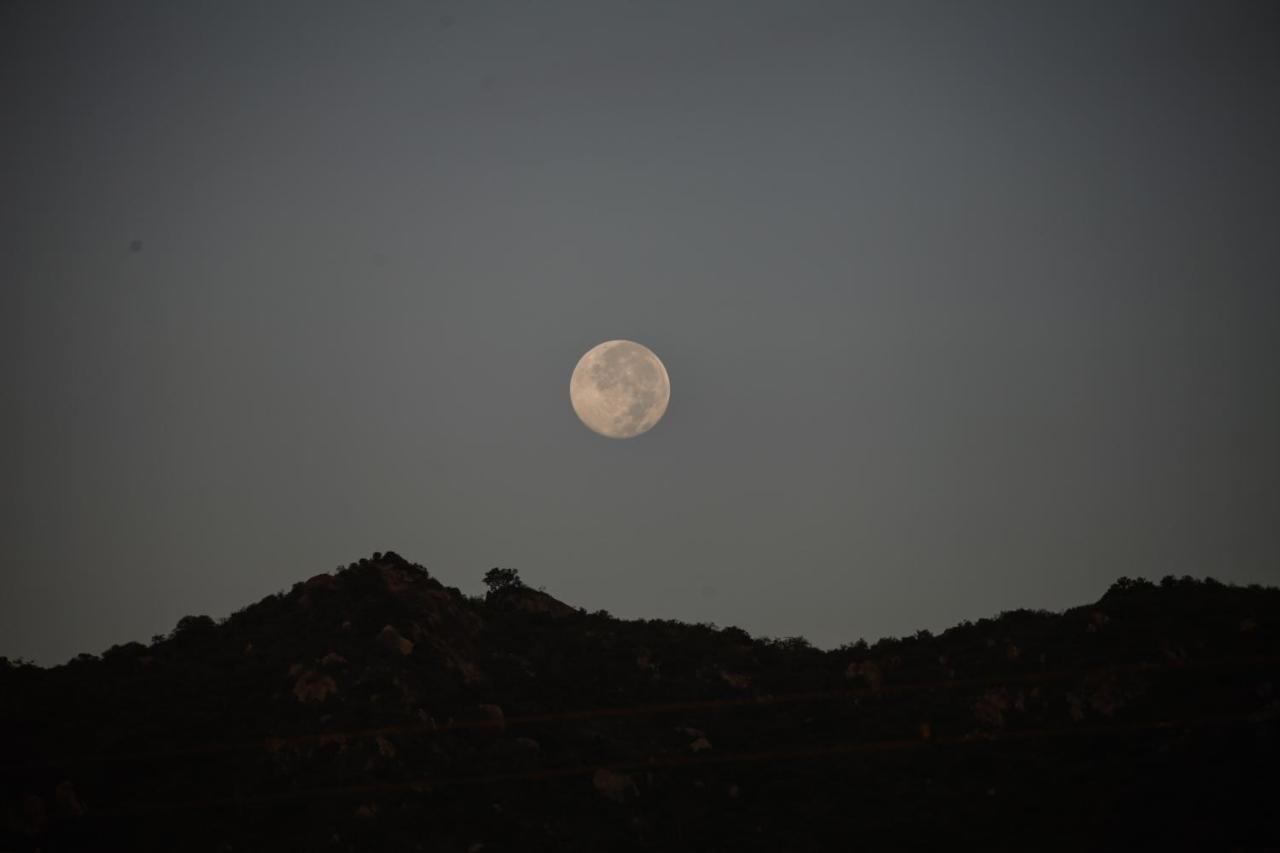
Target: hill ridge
[(365, 701)]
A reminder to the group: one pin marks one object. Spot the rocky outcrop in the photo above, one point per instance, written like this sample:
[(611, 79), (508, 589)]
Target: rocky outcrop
[(526, 600), (312, 687)]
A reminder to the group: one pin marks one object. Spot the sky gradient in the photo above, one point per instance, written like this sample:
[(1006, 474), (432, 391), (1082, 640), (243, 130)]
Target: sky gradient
[(966, 307)]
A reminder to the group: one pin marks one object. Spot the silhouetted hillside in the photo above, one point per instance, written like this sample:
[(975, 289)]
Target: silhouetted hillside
[(375, 708)]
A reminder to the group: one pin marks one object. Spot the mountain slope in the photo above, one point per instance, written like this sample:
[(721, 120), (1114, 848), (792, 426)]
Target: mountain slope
[(375, 708)]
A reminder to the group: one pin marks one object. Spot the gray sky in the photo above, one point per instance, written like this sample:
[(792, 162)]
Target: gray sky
[(966, 306)]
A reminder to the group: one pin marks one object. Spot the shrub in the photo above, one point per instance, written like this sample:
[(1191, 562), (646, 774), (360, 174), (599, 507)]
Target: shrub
[(192, 624)]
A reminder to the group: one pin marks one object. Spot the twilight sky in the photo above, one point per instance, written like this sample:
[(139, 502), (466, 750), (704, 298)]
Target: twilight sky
[(966, 306)]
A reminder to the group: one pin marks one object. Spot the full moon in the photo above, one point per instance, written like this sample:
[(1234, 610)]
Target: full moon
[(620, 389)]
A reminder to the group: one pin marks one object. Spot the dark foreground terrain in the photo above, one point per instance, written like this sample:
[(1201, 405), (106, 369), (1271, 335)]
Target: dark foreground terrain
[(375, 709)]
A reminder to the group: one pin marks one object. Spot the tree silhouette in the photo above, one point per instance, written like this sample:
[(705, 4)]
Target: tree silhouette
[(499, 579)]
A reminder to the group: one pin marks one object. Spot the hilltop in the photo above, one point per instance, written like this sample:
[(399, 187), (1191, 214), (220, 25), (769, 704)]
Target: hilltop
[(376, 708)]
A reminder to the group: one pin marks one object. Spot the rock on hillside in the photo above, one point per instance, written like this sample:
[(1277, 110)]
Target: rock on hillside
[(527, 600)]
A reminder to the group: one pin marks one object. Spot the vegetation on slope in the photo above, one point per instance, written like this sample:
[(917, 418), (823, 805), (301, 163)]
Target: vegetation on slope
[(375, 708)]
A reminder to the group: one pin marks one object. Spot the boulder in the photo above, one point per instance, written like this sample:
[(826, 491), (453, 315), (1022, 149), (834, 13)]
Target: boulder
[(391, 640), (618, 787), (324, 580), (492, 718)]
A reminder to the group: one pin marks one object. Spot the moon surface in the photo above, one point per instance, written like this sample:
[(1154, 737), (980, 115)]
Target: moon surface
[(620, 389)]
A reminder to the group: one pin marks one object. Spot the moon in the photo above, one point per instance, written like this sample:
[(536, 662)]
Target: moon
[(620, 389)]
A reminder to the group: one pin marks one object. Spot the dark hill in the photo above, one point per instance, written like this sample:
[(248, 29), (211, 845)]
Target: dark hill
[(376, 709)]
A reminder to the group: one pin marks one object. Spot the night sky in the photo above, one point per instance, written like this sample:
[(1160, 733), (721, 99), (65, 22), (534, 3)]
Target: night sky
[(966, 306)]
